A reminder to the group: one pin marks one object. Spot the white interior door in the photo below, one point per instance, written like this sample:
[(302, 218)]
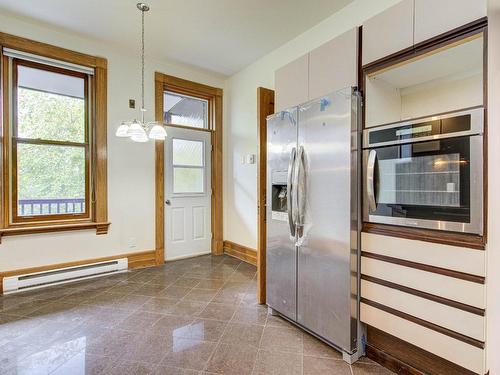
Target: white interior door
[(188, 193)]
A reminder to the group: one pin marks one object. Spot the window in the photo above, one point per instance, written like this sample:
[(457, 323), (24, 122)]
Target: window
[(185, 110), (189, 166), (50, 143), (53, 126)]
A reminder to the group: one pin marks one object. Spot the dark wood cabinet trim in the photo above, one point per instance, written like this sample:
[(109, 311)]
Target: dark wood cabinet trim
[(404, 358), (470, 241), (390, 362), (424, 323), (425, 267), (429, 296), (427, 46)]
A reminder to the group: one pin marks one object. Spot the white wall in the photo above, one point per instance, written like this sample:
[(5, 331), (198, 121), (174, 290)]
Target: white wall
[(493, 246), (240, 128), (131, 172)]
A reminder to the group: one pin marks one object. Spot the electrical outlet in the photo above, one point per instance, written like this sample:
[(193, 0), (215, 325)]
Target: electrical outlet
[(131, 103), (132, 243)]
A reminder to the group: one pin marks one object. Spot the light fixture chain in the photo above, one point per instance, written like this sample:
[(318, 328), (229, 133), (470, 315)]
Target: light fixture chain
[(142, 63)]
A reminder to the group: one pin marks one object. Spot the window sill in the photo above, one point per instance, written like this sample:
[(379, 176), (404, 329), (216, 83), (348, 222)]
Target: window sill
[(101, 228)]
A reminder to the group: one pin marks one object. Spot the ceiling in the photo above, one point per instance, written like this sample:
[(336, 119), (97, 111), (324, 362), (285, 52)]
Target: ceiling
[(219, 35)]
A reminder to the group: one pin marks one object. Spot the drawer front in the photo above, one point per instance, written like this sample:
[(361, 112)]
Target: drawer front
[(449, 317), (456, 351), (449, 257), (463, 291)]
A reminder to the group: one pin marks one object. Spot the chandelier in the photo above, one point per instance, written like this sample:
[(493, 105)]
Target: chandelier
[(141, 131)]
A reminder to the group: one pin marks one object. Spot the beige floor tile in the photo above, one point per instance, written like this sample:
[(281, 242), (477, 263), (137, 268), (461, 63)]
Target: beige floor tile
[(242, 334), (233, 359), (315, 366), (189, 354), (282, 340), (218, 311), (277, 363)]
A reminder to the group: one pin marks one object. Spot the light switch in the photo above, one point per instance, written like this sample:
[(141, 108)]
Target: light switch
[(250, 159)]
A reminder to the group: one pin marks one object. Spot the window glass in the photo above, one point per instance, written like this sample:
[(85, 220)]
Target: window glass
[(50, 105), (185, 110), (50, 179), (187, 153), (188, 180)]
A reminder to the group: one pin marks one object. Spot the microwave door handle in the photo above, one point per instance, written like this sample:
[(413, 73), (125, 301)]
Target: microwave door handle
[(289, 187), (370, 183)]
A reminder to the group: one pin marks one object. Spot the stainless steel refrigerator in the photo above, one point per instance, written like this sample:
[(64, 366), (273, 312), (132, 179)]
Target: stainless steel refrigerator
[(312, 216)]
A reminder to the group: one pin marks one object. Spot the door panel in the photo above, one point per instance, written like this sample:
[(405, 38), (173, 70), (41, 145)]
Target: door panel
[(292, 83), (281, 252), (433, 18), (334, 65), (187, 193), (324, 254), (178, 224), (388, 32), (198, 222)]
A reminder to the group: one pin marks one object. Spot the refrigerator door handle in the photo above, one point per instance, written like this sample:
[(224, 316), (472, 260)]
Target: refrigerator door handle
[(370, 183), (300, 190), (289, 187)]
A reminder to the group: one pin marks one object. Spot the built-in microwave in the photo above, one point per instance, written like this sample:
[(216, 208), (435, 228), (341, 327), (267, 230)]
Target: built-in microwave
[(426, 173)]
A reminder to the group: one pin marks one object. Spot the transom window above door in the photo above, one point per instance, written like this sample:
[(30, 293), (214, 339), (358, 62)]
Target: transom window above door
[(185, 110)]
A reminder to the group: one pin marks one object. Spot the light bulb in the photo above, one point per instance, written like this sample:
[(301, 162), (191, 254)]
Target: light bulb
[(135, 128), (122, 130), (158, 132)]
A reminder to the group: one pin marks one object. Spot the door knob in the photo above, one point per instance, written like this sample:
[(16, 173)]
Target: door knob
[(167, 202)]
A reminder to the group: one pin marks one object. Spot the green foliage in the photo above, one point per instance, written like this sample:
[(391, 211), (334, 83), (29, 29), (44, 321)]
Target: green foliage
[(49, 171)]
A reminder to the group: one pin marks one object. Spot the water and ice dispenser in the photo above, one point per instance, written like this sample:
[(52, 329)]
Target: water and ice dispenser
[(279, 196)]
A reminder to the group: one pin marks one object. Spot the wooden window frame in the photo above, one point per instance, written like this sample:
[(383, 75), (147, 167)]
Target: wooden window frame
[(15, 140), (96, 216), (172, 84)]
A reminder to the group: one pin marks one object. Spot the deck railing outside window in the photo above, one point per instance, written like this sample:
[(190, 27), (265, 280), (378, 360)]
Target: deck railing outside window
[(31, 207)]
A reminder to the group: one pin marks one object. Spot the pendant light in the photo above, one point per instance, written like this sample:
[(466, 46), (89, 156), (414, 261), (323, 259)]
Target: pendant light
[(141, 131)]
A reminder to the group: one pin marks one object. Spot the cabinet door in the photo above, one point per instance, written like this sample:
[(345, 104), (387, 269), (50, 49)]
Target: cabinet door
[(388, 32), (435, 17), (333, 66), (291, 84)]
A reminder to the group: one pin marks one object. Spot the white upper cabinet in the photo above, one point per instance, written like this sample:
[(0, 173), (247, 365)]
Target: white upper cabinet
[(333, 65), (291, 84), (388, 32), (435, 17)]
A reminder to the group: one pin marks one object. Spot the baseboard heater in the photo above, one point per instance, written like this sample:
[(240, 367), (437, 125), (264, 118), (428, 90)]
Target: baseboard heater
[(36, 280)]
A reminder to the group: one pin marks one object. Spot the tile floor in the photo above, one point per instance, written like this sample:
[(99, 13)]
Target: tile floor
[(195, 316)]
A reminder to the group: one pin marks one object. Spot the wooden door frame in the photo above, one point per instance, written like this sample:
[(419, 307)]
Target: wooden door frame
[(265, 107), (165, 82)]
